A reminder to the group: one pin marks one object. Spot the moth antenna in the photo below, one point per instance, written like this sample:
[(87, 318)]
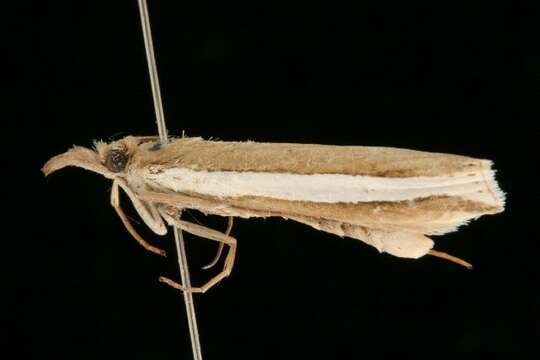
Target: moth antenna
[(220, 248), (451, 258)]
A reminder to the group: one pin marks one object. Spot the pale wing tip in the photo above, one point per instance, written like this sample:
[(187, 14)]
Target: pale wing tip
[(499, 196), (492, 199)]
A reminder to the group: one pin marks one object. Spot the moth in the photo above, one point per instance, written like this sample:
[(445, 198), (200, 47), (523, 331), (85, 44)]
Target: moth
[(392, 199)]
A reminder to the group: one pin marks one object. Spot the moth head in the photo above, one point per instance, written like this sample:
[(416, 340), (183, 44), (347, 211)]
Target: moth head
[(115, 156), (108, 159)]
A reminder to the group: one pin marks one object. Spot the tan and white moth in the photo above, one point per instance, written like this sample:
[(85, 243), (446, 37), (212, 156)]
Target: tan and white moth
[(389, 198)]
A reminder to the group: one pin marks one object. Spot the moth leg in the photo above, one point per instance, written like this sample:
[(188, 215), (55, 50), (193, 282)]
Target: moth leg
[(115, 202), (208, 234), (221, 246), (451, 258), (146, 209)]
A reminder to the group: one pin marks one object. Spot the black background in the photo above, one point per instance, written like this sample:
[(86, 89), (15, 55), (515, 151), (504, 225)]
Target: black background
[(452, 78)]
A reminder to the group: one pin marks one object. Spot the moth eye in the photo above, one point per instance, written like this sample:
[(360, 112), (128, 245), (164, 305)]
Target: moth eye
[(116, 160)]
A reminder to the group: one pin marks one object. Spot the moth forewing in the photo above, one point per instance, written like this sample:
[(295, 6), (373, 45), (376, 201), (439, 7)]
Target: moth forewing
[(389, 198)]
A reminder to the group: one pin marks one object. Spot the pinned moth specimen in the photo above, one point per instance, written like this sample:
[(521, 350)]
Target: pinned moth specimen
[(389, 198)]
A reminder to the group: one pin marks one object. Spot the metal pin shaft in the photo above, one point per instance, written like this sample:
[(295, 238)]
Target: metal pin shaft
[(162, 130)]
